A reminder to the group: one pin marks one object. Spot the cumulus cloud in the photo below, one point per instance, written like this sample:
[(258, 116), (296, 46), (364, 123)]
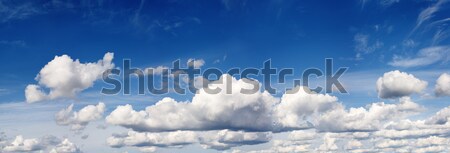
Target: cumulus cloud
[(442, 87), (295, 108), (395, 84), (329, 144), (362, 119), (65, 77), (206, 111), (441, 117), (79, 120), (21, 144), (46, 143), (425, 56), (66, 147), (228, 110), (316, 122)]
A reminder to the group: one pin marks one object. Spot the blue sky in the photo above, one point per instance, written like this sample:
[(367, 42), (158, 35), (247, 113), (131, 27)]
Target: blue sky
[(371, 38)]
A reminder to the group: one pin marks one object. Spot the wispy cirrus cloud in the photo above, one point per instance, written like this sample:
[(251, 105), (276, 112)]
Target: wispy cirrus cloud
[(12, 11), (363, 45), (424, 57)]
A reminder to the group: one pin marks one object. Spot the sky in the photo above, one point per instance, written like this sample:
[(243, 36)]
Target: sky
[(54, 53)]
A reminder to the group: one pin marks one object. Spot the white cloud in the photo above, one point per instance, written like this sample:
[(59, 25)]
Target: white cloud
[(225, 139), (295, 108), (79, 120), (424, 57), (353, 144), (159, 70), (196, 63), (66, 147), (363, 46), (361, 119), (46, 143), (441, 117), (65, 77), (391, 143), (301, 135), (329, 143), (395, 84), (428, 13), (442, 87), (206, 111), (33, 93), (431, 141), (218, 140), (23, 145), (166, 139)]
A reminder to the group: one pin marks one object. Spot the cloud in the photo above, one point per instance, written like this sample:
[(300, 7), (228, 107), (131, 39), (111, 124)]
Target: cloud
[(362, 119), (14, 11), (206, 111), (133, 138), (388, 3), (363, 46), (66, 147), (43, 144), (156, 71), (226, 139), (424, 57), (218, 140), (294, 109), (23, 145), (395, 84), (441, 117), (65, 77), (353, 144), (428, 13), (196, 63), (79, 120), (442, 87)]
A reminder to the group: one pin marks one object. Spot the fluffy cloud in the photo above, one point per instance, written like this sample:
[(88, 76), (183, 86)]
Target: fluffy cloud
[(396, 84), (295, 108), (23, 145), (79, 120), (65, 77), (362, 119), (441, 117), (322, 124), (228, 109), (206, 111), (47, 143), (66, 147), (442, 87), (329, 143)]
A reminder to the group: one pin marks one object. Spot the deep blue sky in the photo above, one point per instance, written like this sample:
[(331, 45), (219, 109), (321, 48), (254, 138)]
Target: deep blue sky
[(367, 36), (298, 34)]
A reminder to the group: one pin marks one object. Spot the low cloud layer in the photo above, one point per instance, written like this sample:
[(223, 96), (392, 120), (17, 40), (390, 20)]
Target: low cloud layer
[(48, 143)]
